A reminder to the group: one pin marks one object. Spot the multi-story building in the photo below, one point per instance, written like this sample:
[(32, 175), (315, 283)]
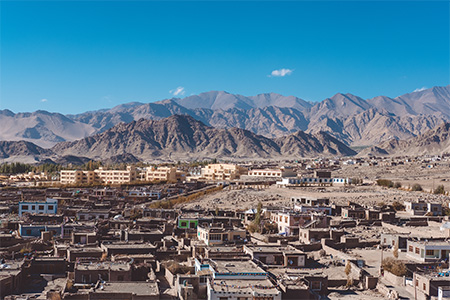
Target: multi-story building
[(286, 256), (278, 173), (99, 175), (164, 174), (421, 208), (290, 222), (222, 172), (116, 176), (428, 251), (49, 206), (212, 236)]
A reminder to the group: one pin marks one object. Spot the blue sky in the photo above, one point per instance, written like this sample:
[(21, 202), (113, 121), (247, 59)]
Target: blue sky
[(74, 56)]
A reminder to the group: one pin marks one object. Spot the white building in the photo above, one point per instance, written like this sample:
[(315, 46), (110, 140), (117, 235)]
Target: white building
[(49, 206), (277, 173), (236, 280)]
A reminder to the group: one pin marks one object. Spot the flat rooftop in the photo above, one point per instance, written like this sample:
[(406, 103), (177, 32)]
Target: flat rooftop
[(84, 249), (135, 288), (274, 249), (114, 266), (128, 246), (262, 286), (227, 266)]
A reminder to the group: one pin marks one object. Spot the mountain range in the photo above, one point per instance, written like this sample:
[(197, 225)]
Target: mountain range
[(433, 142), (349, 118), (178, 137)]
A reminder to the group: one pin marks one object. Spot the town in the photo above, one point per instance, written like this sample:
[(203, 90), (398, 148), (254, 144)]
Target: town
[(359, 228)]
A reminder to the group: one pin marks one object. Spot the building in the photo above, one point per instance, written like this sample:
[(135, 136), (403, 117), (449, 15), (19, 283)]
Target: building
[(49, 206), (77, 177), (35, 230), (327, 210), (315, 235), (223, 172), (428, 251), (420, 208), (289, 222), (213, 235), (393, 240), (186, 221), (99, 175), (286, 256), (310, 201), (233, 280), (164, 174), (353, 212), (429, 283), (12, 277), (277, 173), (91, 271), (312, 181)]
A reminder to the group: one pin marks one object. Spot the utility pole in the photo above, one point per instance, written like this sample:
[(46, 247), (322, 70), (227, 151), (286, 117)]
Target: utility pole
[(381, 262)]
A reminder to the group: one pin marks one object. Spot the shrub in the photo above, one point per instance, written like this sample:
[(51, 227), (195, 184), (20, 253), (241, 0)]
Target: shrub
[(394, 266), (416, 187), (440, 190), (397, 185), (252, 227), (385, 183), (398, 206)]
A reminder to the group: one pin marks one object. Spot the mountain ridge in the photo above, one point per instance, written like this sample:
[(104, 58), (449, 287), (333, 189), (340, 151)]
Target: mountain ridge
[(346, 117)]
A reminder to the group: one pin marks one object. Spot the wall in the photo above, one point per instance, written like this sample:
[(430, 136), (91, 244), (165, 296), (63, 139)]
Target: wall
[(394, 279)]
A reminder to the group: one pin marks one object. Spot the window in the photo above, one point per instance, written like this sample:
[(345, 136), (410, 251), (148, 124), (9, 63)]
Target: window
[(24, 207), (429, 252), (28, 231), (183, 224), (316, 285), (41, 207), (410, 249), (33, 207), (50, 207), (417, 250), (424, 286)]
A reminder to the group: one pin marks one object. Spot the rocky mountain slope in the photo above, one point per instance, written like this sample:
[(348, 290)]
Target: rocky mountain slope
[(183, 137), (355, 121), (432, 142)]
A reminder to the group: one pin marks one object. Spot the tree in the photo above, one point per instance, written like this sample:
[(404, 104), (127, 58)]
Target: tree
[(395, 253), (394, 266), (416, 187), (348, 270), (398, 206), (440, 190), (256, 224)]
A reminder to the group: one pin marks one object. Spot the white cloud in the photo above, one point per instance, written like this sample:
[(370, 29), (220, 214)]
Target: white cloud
[(281, 72), (179, 91), (421, 89), (44, 100)]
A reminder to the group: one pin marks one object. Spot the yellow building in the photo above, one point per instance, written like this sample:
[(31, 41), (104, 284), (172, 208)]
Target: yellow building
[(164, 174), (223, 172), (99, 175)]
